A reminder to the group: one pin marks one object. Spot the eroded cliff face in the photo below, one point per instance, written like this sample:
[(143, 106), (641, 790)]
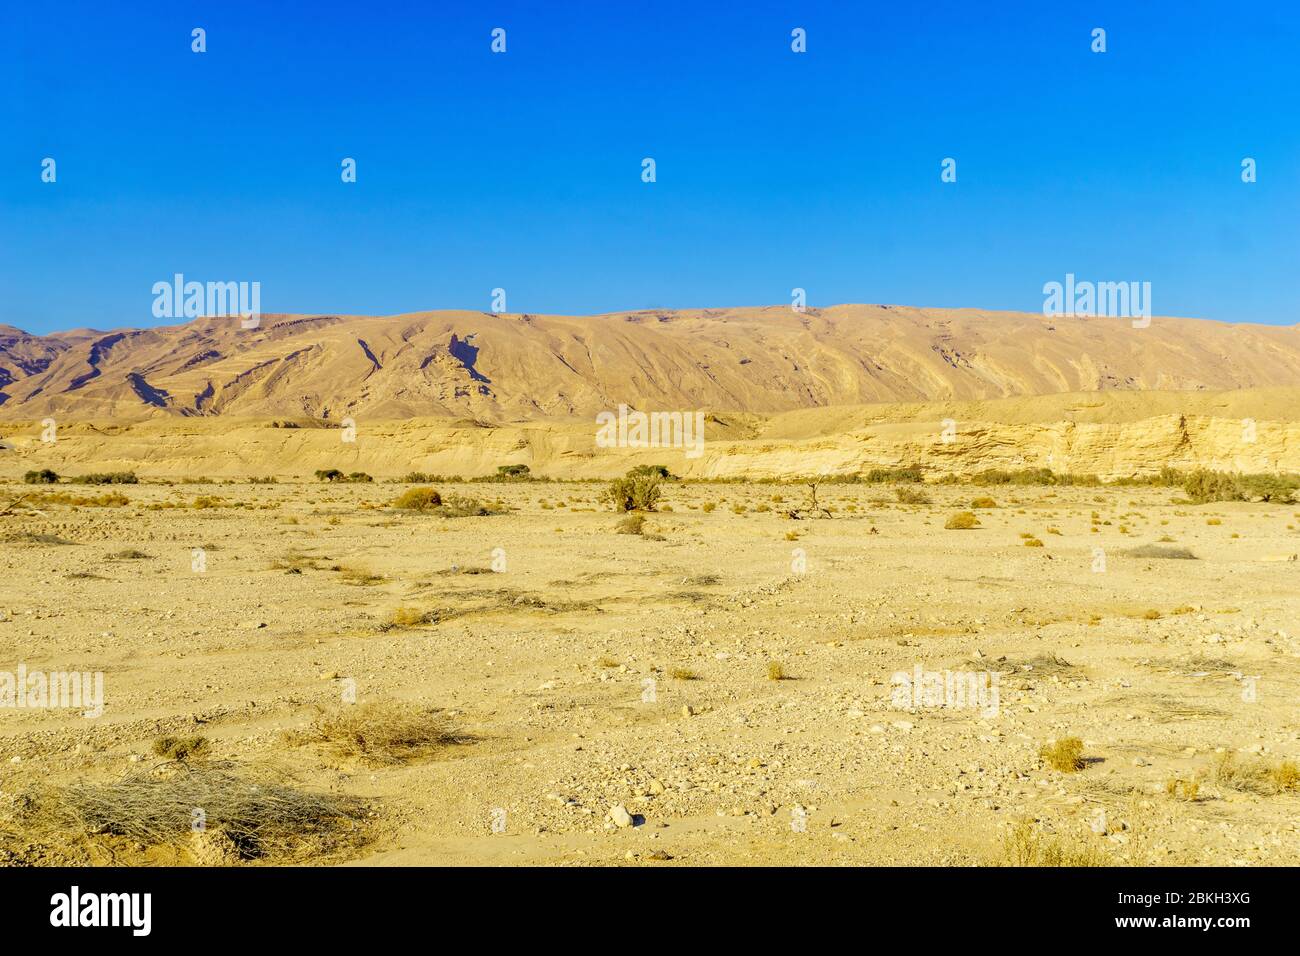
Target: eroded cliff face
[(1056, 432), (1106, 450)]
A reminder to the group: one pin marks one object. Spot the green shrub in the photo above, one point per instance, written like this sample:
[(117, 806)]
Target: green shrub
[(1169, 478), (633, 494), (42, 477), (1280, 488), (652, 471), (1203, 485), (510, 473), (333, 474), (912, 473), (1033, 476), (108, 478), (425, 478)]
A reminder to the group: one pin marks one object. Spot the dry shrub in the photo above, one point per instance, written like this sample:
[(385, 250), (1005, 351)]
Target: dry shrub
[(429, 501), (418, 499), (264, 814), (457, 506), (130, 554), (1154, 551), (776, 671), (1285, 776), (984, 503), (207, 502), (114, 499), (1024, 845), (703, 580), (357, 574), (962, 521), (382, 733), (1065, 755), (1046, 665), (1254, 776), (409, 617), (181, 748), (34, 538), (632, 524), (295, 562), (911, 496), (682, 673)]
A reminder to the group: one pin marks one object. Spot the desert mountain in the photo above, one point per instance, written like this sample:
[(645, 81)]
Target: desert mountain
[(498, 367)]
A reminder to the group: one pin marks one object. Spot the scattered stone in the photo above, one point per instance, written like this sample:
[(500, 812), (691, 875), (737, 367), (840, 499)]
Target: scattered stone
[(619, 815)]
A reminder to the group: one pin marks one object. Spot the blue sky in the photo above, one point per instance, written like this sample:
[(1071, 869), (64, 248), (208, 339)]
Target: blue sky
[(523, 170)]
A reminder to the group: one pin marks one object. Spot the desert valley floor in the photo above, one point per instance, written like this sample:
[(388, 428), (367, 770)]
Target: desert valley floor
[(723, 678)]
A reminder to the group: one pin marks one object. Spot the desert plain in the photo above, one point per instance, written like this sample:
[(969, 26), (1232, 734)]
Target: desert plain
[(595, 669)]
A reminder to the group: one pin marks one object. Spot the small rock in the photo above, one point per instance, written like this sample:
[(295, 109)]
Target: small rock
[(618, 813)]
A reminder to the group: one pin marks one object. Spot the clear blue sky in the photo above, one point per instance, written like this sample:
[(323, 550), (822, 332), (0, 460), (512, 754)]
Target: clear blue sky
[(522, 170)]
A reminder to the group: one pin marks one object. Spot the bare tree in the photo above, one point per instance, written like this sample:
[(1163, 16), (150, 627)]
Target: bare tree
[(813, 509)]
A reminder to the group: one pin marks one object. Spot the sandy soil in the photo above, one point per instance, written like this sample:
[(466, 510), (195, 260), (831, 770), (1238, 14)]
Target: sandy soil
[(557, 668)]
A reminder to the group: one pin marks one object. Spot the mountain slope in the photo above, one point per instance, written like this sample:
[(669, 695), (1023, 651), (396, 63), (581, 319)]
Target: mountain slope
[(512, 367)]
